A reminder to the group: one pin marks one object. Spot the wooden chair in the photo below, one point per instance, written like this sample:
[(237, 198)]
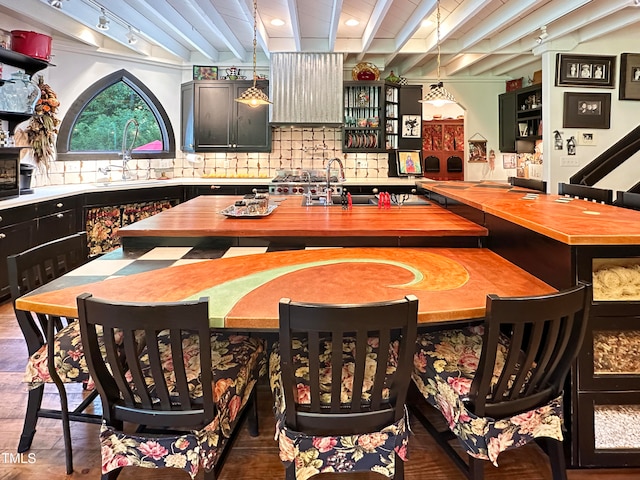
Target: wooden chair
[(500, 385), (530, 183), (49, 361), (159, 366), (628, 200), (588, 193), (333, 406)]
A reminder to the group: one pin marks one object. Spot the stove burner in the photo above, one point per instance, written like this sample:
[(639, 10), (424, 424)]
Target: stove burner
[(295, 178), (289, 182)]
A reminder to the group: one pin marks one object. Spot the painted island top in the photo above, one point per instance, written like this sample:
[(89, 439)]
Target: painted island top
[(244, 291), (201, 217), (569, 220)]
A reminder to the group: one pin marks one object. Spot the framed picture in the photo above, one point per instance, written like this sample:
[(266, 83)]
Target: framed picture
[(508, 160), (411, 126), (409, 162), (477, 150), (201, 72), (629, 76), (586, 110), (585, 70), (586, 138)]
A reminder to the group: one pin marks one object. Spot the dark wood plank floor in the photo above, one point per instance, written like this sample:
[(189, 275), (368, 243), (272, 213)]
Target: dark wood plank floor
[(250, 458)]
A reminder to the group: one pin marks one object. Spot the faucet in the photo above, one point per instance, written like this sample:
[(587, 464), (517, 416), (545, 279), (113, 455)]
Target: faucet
[(126, 151), (307, 194), (340, 179)]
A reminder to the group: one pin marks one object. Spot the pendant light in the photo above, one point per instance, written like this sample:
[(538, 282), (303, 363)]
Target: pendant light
[(437, 94), (253, 96)]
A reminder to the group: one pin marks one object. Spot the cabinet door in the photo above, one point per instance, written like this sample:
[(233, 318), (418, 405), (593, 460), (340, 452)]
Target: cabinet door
[(250, 128), (187, 107), (507, 105), (13, 239), (212, 116)]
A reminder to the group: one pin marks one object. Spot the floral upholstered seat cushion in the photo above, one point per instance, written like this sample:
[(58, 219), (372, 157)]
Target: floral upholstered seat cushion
[(444, 366), (69, 360), (238, 361), (313, 454)]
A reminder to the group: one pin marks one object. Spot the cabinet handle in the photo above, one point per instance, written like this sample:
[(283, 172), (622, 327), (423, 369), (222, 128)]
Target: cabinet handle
[(59, 205), (2, 235), (60, 215)]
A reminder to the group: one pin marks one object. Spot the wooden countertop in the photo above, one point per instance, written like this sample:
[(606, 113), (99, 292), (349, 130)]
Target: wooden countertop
[(451, 283), (201, 217), (574, 222)]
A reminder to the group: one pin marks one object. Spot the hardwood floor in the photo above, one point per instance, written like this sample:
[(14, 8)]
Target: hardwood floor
[(249, 459)]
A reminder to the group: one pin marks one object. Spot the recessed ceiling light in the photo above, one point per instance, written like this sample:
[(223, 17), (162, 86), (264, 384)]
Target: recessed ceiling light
[(277, 22), (352, 22), (426, 23)]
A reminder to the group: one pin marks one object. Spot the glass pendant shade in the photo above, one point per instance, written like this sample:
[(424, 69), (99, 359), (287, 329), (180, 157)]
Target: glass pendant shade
[(253, 96), (438, 95)]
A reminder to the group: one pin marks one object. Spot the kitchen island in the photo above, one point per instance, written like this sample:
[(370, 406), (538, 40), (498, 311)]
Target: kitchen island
[(200, 220)]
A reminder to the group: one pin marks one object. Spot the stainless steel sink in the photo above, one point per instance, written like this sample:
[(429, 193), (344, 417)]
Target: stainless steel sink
[(371, 200)]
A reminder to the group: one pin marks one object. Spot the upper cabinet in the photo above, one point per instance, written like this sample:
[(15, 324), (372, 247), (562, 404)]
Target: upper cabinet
[(371, 111), (520, 118), (212, 121)]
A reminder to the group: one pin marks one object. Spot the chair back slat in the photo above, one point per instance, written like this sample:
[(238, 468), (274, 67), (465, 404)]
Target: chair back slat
[(147, 382), (366, 331), (359, 370), (314, 371), (384, 347), (544, 336), (337, 358), (602, 195)]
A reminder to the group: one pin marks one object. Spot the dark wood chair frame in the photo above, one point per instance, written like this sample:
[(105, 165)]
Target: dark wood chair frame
[(530, 183), (175, 411), (387, 321), (583, 191), (27, 271), (546, 332), (628, 200)]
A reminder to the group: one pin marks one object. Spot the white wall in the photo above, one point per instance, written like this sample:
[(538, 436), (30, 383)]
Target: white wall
[(625, 116)]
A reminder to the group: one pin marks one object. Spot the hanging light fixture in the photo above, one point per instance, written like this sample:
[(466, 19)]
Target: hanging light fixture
[(103, 21), (131, 37), (437, 94), (253, 96)]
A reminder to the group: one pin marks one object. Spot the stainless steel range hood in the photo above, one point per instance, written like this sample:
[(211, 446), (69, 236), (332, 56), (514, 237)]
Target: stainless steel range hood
[(306, 89)]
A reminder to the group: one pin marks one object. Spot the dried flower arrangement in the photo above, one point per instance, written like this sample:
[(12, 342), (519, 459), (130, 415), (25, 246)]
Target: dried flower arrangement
[(42, 129)]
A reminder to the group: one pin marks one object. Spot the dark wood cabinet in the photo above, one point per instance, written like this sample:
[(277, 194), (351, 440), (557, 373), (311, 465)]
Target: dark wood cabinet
[(520, 119), (14, 238), (212, 120)]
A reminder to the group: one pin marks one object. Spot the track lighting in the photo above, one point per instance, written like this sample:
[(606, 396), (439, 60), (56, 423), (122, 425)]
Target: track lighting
[(55, 3), (131, 37), (103, 21), (543, 34)]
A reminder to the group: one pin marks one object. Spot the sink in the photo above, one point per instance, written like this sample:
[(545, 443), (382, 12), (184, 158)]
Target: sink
[(362, 200), (126, 183)]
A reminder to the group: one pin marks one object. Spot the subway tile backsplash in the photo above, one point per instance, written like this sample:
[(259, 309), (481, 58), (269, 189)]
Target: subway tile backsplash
[(307, 148)]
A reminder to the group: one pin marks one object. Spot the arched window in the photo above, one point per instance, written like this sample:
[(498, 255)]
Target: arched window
[(93, 128)]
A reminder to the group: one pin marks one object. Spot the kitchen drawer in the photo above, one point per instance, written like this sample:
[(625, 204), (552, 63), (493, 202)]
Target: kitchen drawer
[(609, 358), (608, 429), (14, 239), (55, 206), (17, 215), (56, 226)]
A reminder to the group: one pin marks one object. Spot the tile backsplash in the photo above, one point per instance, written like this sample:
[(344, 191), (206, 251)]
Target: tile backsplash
[(307, 148)]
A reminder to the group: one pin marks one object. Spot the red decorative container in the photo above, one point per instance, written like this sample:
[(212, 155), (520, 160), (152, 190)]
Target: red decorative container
[(33, 44)]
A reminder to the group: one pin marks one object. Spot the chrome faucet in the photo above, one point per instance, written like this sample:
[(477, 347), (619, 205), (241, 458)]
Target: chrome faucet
[(126, 151), (329, 191)]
